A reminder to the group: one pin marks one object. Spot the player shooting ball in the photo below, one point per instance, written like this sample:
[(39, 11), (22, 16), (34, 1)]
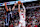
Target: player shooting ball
[(21, 14)]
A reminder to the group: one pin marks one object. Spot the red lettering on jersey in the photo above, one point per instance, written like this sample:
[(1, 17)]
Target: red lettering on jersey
[(23, 16)]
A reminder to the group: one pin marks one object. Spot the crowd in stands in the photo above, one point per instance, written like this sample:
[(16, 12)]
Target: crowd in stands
[(32, 18), (32, 4)]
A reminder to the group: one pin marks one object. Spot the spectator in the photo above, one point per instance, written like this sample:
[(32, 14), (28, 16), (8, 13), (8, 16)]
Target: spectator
[(39, 25), (35, 26), (11, 25)]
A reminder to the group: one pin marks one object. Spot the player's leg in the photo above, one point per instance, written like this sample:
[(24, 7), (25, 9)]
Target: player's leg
[(23, 24), (19, 24)]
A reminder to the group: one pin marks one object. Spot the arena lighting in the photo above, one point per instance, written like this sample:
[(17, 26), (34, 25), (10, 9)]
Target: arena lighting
[(26, 0), (13, 2)]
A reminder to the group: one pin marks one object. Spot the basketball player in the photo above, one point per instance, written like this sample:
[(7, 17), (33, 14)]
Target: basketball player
[(9, 12), (22, 15)]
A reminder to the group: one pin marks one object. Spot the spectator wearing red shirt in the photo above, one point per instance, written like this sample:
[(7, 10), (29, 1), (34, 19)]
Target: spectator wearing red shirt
[(29, 25), (11, 25), (35, 26)]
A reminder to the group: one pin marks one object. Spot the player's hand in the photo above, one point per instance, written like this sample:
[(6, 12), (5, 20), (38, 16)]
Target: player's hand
[(15, 4), (19, 4), (4, 3)]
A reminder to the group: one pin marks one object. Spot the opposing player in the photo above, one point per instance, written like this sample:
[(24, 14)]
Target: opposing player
[(9, 12), (22, 15)]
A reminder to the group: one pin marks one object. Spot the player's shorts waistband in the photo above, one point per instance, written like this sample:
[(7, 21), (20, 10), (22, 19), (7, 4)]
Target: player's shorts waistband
[(22, 20)]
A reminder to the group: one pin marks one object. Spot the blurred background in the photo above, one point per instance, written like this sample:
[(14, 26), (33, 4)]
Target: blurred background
[(32, 13)]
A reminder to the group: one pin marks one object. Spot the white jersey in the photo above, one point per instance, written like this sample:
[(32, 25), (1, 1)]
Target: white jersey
[(22, 16)]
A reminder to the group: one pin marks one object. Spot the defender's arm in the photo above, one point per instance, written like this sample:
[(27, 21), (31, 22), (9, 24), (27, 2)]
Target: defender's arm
[(6, 7), (14, 6)]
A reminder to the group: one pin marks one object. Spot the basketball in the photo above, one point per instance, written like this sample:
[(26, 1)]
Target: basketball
[(19, 2)]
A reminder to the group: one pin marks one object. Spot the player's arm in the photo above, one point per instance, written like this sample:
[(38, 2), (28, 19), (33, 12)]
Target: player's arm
[(19, 8), (6, 7), (23, 7), (14, 6)]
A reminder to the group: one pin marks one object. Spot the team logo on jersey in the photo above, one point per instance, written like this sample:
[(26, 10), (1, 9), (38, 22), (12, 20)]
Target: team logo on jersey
[(21, 14)]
